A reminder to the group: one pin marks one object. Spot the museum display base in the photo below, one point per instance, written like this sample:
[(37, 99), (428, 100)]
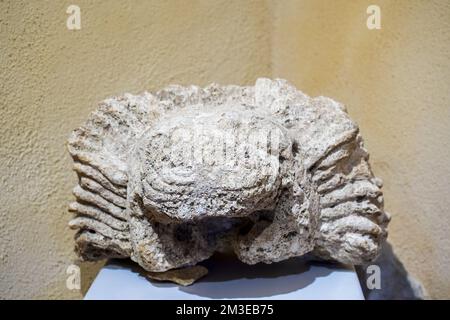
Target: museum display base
[(231, 279)]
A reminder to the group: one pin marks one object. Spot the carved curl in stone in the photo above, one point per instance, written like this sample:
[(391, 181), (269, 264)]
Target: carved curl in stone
[(169, 178)]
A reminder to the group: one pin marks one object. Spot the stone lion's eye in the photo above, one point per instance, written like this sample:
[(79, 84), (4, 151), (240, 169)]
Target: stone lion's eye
[(265, 171)]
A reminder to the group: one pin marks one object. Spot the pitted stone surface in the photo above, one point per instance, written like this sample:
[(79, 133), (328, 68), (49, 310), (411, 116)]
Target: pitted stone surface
[(169, 178)]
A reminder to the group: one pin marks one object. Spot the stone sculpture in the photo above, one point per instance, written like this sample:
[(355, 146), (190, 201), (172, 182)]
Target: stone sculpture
[(169, 178)]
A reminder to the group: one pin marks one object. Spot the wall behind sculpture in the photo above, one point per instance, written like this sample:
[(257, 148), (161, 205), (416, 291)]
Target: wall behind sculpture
[(394, 81), (396, 84), (51, 79)]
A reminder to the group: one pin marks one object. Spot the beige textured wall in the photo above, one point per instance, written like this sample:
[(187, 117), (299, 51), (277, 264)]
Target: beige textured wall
[(396, 85), (51, 78), (395, 82)]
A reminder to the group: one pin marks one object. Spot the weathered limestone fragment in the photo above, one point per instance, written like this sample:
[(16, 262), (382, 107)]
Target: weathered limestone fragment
[(169, 178), (185, 276)]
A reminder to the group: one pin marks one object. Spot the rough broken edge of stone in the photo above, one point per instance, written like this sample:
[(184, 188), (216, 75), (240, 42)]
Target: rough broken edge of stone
[(184, 276)]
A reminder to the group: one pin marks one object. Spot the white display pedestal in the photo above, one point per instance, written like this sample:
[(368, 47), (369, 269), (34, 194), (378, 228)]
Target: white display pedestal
[(231, 279)]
